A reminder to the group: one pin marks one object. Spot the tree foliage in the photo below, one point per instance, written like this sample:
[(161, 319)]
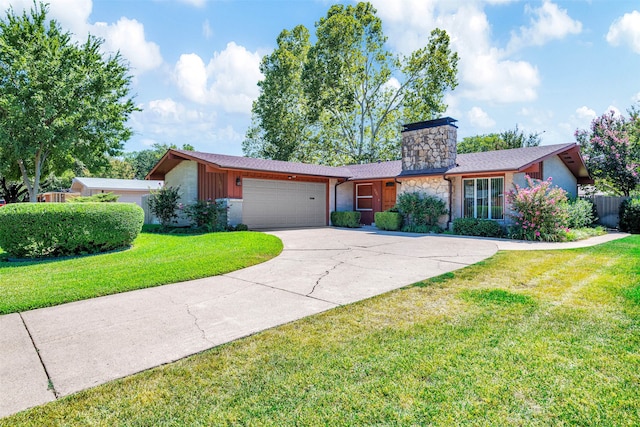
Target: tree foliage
[(513, 138), (141, 162), (342, 100), (611, 150), (59, 100), (12, 191), (280, 112)]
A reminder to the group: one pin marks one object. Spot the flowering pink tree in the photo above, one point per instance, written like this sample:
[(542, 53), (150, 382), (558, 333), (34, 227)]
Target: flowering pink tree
[(612, 152), (539, 211)]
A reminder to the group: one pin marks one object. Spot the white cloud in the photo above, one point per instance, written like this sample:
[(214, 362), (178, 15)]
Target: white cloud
[(486, 73), (229, 80), (127, 36), (616, 110), (585, 113), (490, 79), (196, 3), (626, 30), (169, 121), (392, 84), (72, 15), (549, 22), (479, 118), (636, 97), (191, 77), (207, 31)]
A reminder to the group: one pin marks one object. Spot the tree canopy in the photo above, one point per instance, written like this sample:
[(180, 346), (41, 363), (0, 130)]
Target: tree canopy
[(611, 150), (513, 138), (343, 99), (60, 101)]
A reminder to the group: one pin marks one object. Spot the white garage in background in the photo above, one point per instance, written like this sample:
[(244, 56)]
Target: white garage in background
[(279, 203), (129, 190)]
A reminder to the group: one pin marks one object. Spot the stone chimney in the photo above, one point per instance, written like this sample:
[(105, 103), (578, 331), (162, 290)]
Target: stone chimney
[(429, 146)]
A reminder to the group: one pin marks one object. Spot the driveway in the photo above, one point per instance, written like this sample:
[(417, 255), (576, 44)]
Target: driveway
[(87, 343)]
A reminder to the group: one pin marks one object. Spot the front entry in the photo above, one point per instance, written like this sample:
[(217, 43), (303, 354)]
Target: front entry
[(388, 195), (372, 197)]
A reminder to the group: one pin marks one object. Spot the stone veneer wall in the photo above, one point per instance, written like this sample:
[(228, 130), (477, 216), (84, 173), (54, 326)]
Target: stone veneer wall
[(431, 186), (429, 148)]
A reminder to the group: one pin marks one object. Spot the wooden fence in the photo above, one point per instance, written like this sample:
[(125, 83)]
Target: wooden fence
[(608, 208)]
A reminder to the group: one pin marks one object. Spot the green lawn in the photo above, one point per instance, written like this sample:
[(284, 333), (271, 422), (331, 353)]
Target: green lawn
[(524, 338), (154, 259)]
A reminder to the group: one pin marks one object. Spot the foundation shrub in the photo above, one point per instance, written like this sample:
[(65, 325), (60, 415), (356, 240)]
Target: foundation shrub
[(206, 215), (163, 203), (477, 227), (420, 209), (391, 221), (580, 213), (630, 216), (350, 219), (30, 230)]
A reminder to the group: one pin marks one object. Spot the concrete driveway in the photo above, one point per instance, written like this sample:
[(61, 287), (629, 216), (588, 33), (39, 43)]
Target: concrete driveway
[(52, 352)]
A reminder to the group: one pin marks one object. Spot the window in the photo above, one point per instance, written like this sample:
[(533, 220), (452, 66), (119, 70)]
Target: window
[(483, 198), (364, 197)]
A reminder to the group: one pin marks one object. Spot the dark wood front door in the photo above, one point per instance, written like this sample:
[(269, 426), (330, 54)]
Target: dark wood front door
[(368, 200), (388, 195)]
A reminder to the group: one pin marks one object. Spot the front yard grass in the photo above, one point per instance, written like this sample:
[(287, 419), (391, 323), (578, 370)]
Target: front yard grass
[(154, 259), (524, 338)]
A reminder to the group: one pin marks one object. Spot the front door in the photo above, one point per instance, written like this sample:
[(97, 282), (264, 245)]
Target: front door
[(368, 200), (388, 195)]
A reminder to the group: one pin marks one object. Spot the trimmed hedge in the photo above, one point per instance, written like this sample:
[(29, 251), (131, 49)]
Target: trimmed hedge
[(477, 227), (30, 230), (630, 216), (391, 221), (350, 219), (96, 198)]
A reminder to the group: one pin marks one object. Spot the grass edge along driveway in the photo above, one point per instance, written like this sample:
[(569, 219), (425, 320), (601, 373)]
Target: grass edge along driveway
[(154, 259), (523, 338)]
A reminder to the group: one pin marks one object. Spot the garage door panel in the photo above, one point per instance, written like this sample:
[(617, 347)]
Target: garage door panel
[(272, 203)]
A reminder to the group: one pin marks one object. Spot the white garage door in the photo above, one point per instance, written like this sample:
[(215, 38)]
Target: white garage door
[(270, 203)]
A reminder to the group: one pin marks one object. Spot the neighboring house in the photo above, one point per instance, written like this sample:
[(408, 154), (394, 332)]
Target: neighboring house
[(267, 193), (129, 190), (56, 196)]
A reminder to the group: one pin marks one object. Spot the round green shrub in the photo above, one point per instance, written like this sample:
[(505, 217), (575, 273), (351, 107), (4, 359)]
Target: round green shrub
[(35, 230), (477, 227), (350, 219), (391, 221), (630, 216), (581, 213)]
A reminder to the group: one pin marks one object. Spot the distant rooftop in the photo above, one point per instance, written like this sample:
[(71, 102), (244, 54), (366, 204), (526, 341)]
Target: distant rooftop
[(117, 184)]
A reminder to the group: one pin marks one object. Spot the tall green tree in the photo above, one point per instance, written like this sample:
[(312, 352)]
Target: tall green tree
[(344, 101), (59, 101), (611, 150), (512, 138), (280, 113)]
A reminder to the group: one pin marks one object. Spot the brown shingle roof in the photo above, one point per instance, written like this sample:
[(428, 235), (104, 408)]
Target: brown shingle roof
[(505, 160), (375, 170), (485, 162), (264, 165)]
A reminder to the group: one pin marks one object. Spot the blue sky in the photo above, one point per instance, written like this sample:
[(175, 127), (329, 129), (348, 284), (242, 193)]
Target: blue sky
[(547, 66)]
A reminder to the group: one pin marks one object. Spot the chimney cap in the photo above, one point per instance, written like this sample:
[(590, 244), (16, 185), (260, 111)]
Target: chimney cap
[(442, 121)]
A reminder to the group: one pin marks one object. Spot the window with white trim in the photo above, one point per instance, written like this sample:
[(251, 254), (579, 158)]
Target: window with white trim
[(483, 198), (364, 197)]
